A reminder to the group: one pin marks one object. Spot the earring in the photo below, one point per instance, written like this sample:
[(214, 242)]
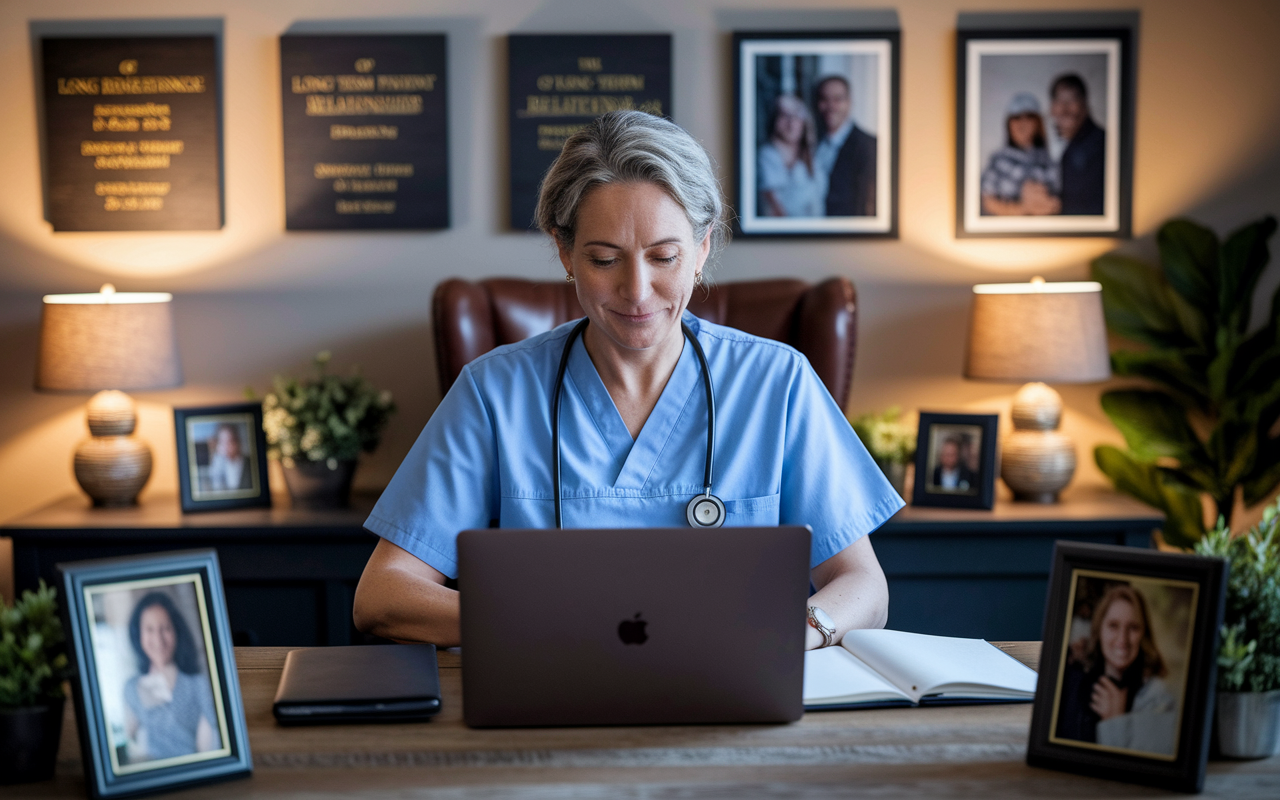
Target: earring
[(568, 277), (697, 279)]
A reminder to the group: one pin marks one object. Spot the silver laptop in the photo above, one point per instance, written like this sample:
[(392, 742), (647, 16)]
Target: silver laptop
[(628, 627)]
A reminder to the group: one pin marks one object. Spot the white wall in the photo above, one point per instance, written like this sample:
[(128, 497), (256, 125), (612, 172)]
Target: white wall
[(252, 300)]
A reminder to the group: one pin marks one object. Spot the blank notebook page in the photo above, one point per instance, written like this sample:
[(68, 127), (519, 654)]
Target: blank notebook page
[(929, 661)]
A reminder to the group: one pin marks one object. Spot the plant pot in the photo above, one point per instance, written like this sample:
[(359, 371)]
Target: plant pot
[(313, 485), (1249, 724), (29, 742), (897, 474)]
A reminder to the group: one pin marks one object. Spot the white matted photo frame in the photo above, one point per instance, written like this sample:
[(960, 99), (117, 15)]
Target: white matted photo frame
[(1128, 665), (817, 133), (222, 457), (956, 460), (1044, 132), (157, 696)]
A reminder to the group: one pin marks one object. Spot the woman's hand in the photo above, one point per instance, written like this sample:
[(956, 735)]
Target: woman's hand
[(1108, 699), (401, 597), (154, 690), (852, 590)]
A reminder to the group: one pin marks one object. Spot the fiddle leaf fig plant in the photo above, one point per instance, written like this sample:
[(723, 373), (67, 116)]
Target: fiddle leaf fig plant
[(1206, 425)]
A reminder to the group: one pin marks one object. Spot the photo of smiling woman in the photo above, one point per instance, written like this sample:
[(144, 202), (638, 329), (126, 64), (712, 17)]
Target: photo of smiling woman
[(1128, 644), (151, 647)]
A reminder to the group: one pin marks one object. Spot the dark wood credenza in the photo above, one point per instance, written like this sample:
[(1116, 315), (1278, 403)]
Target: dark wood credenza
[(290, 575)]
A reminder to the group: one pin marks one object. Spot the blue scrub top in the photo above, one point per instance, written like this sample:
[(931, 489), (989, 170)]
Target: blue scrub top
[(784, 452)]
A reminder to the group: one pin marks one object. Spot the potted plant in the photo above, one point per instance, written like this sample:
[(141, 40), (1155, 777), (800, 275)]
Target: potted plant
[(1204, 424), (33, 664), (891, 441), (316, 428), (1248, 715)]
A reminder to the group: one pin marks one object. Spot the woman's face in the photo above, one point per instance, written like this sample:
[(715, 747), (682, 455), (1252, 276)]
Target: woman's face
[(228, 443), (1121, 635), (788, 127), (1023, 129), (158, 638), (634, 261)]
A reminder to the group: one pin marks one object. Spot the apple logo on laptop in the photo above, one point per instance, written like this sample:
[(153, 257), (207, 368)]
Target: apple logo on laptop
[(631, 631)]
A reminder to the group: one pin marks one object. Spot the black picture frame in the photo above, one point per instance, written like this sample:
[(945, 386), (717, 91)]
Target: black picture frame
[(804, 57), (99, 595), (1133, 750), (200, 494), (1102, 59), (975, 487)]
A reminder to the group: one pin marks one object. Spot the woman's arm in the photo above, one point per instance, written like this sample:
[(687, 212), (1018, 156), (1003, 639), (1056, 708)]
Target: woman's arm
[(851, 589), (401, 597)]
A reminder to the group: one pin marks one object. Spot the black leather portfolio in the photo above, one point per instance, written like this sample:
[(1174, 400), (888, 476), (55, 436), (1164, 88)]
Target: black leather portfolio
[(373, 683)]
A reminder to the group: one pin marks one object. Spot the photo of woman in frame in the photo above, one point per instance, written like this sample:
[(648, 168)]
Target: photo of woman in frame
[(152, 649), (1127, 646)]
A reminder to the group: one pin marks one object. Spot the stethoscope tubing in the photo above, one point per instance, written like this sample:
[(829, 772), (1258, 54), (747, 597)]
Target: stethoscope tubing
[(709, 464)]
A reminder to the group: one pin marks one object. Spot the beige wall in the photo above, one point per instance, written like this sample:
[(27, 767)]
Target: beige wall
[(252, 300)]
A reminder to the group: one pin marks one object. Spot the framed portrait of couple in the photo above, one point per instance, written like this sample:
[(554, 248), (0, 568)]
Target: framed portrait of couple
[(817, 133), (1128, 664), (1044, 133)]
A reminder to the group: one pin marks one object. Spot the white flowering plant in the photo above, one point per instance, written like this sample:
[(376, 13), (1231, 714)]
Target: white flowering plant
[(887, 436), (327, 418)]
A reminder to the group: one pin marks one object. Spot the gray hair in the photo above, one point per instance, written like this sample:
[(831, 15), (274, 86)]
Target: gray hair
[(632, 147)]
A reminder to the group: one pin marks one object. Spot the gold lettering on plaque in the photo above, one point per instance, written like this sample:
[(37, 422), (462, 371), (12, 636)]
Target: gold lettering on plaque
[(393, 170), (309, 84), (131, 162), (103, 188), (132, 203), (129, 66), (365, 64), (352, 105), (366, 206), (589, 64), (355, 83), (324, 171), (78, 86), (363, 186), (406, 83), (153, 84), (358, 132)]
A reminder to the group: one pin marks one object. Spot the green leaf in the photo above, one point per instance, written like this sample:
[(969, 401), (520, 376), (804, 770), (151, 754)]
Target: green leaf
[(1137, 304), (1189, 253), (1244, 257), (1183, 371), (1154, 425), (1184, 522)]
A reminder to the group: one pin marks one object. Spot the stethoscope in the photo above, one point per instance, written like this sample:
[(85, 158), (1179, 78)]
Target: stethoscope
[(704, 510)]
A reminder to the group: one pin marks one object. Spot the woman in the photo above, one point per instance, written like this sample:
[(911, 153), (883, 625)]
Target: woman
[(1020, 178), (1117, 696), (169, 701), (634, 209), (789, 184), (228, 468)]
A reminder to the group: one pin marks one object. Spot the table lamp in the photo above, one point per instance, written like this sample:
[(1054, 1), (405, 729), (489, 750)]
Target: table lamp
[(104, 343), (1038, 332)]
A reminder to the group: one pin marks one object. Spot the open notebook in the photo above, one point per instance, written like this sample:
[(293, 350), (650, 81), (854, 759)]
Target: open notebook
[(874, 668)]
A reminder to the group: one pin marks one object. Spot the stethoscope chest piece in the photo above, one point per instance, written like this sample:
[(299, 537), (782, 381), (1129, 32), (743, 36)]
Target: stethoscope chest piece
[(705, 511)]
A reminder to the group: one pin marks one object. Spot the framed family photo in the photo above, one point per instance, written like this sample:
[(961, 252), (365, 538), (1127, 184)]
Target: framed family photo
[(956, 460), (817, 133), (157, 696), (1129, 664), (222, 457), (1044, 133)]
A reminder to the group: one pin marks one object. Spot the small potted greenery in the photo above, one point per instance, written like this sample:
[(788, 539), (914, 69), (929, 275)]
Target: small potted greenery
[(316, 428), (33, 664), (1248, 715), (890, 440)]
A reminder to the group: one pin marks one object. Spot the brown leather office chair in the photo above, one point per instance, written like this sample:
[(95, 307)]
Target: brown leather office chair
[(819, 320)]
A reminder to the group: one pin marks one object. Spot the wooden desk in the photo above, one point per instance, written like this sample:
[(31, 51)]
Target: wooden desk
[(289, 574), (960, 751), (985, 574)]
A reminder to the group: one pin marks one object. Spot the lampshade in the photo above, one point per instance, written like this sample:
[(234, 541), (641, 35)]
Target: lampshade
[(1051, 332), (108, 340)]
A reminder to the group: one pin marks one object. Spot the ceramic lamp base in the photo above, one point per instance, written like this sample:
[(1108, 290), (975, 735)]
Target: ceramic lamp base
[(1036, 461), (112, 465)]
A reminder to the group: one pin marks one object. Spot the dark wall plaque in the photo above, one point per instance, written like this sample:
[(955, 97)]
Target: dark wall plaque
[(365, 132), (559, 83), (133, 135)]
